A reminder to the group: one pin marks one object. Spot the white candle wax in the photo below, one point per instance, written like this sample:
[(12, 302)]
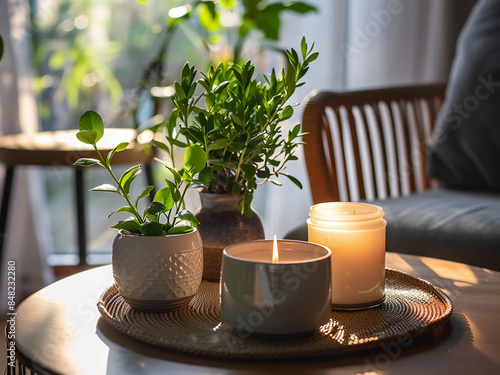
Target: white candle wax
[(355, 233)]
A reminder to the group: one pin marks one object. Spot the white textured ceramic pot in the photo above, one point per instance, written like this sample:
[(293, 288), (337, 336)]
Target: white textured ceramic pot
[(158, 274)]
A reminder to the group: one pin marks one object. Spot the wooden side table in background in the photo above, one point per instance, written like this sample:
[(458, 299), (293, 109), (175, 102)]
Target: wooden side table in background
[(62, 148)]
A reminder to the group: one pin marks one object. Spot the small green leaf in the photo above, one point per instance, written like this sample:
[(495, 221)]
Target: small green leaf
[(303, 46), (252, 184), (161, 145), (165, 197), (286, 113), (122, 146), (311, 58), (105, 187), (188, 216), (221, 87), (291, 80), (152, 228), (223, 163), (236, 146), (123, 209), (210, 100), (87, 136), (180, 230), (273, 162), (187, 177), (175, 174), (236, 119), (91, 120), (294, 180), (244, 205), (241, 206), (193, 134), (195, 158), (151, 217), (205, 175), (218, 144), (294, 133), (176, 142), (155, 208), (179, 91), (87, 162), (264, 173), (176, 194), (129, 224), (236, 189), (187, 75), (249, 170), (128, 176), (144, 194), (301, 7)]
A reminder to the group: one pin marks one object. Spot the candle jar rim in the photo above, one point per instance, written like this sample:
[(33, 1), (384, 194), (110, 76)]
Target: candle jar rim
[(295, 243), (346, 211)]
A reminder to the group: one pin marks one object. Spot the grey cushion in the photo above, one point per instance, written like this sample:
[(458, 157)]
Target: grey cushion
[(446, 224), (465, 149)]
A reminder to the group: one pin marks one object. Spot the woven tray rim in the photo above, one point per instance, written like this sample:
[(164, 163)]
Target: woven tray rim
[(128, 325)]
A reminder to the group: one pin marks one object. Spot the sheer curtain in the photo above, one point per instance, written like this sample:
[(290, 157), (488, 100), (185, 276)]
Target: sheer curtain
[(27, 242), (363, 44)]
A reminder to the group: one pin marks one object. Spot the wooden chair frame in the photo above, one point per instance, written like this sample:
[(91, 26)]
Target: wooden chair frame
[(61, 148), (370, 144)]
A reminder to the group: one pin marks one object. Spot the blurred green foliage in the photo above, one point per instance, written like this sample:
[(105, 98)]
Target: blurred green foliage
[(224, 31), (107, 55)]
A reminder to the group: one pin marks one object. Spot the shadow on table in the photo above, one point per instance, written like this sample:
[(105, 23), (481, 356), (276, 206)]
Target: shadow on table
[(437, 351)]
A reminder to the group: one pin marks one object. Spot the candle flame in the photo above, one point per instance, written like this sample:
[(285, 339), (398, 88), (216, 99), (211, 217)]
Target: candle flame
[(276, 257)]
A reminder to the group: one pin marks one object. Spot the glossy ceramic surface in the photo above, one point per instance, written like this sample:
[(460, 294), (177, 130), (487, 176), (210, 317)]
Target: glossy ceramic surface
[(260, 297)]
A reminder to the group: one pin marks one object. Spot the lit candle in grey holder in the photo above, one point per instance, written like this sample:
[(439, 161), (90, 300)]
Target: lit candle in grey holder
[(277, 290)]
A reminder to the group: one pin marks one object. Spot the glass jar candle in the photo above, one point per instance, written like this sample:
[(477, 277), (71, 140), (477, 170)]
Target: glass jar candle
[(355, 234)]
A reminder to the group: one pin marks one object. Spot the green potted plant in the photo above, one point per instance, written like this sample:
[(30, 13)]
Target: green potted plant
[(236, 120), (157, 253)]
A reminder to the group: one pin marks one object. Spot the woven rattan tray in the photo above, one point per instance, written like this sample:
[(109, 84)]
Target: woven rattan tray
[(412, 307)]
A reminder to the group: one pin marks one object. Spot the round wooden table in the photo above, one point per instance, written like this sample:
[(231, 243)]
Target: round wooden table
[(58, 330)]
